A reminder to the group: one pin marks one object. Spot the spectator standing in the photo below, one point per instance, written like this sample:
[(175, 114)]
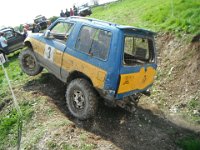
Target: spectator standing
[(35, 28), (4, 45), (75, 10), (71, 12), (48, 23), (25, 34), (26, 26), (62, 14), (67, 13)]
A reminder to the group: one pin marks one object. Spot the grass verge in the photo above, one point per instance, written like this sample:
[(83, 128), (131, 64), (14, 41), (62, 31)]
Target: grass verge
[(178, 16), (189, 144), (9, 125)]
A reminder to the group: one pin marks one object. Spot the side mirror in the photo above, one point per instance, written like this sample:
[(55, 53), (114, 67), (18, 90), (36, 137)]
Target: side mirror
[(47, 34)]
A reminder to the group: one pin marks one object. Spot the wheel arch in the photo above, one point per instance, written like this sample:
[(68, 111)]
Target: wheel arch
[(77, 74), (28, 44)]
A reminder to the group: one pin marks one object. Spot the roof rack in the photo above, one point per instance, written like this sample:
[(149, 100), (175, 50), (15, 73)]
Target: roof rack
[(93, 20)]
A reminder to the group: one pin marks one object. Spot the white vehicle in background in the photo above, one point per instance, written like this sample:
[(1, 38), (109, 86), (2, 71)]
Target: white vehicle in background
[(84, 11), (41, 21)]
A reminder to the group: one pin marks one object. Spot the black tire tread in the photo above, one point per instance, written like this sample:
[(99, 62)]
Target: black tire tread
[(29, 72), (92, 98)]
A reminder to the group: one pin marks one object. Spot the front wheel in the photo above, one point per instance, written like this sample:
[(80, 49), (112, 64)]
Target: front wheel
[(81, 98), (29, 63)]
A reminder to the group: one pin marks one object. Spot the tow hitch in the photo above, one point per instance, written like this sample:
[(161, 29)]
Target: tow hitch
[(130, 103)]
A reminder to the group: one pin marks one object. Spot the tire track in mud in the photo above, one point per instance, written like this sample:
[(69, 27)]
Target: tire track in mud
[(142, 130)]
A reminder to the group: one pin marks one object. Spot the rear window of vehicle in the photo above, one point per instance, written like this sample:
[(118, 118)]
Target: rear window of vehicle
[(8, 34), (137, 50), (95, 42)]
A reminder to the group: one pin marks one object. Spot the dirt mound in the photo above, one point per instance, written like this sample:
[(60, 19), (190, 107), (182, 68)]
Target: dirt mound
[(177, 87)]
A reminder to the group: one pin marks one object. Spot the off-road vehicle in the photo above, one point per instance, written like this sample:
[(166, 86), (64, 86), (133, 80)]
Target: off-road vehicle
[(41, 21), (14, 39), (84, 11), (95, 59)]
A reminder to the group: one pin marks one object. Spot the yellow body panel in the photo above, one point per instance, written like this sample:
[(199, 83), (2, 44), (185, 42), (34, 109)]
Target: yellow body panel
[(136, 81), (57, 57), (97, 75), (38, 46), (71, 63)]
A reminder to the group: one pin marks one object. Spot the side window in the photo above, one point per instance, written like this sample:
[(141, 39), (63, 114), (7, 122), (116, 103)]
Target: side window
[(95, 42), (85, 38), (101, 44), (61, 30)]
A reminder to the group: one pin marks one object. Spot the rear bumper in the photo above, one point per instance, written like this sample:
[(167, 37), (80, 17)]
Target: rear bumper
[(121, 96), (111, 96)]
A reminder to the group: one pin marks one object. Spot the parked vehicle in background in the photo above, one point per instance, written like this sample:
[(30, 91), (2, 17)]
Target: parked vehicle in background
[(84, 11), (41, 21), (95, 59), (15, 39)]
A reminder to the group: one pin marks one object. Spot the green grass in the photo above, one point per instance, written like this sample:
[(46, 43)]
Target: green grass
[(194, 105), (9, 125), (15, 75), (189, 144), (178, 16), (9, 118), (83, 146)]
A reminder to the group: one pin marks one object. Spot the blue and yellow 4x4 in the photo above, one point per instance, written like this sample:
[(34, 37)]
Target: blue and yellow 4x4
[(95, 59)]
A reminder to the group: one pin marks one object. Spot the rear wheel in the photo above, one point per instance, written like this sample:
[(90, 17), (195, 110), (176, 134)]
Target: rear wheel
[(81, 98), (29, 63)]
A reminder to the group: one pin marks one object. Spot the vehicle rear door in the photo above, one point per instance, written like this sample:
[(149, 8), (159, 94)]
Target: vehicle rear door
[(138, 64)]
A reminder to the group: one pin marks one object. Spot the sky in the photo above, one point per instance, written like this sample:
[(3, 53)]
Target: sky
[(16, 12)]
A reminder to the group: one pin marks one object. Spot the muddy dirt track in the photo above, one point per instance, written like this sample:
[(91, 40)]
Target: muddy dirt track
[(113, 128)]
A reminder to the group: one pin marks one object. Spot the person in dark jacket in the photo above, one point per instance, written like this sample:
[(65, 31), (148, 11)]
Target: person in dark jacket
[(62, 14), (25, 33), (67, 13), (75, 10), (4, 45), (35, 28)]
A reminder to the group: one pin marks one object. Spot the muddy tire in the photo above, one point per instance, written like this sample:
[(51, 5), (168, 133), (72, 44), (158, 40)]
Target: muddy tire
[(28, 63), (81, 98)]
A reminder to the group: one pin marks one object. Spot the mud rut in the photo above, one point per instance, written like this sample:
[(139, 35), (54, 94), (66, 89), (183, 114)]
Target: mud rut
[(141, 130)]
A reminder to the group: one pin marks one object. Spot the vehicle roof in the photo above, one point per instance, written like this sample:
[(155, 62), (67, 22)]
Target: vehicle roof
[(5, 29), (107, 24), (39, 16)]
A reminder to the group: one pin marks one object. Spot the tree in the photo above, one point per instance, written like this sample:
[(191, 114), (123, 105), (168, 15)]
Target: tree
[(20, 28), (52, 19)]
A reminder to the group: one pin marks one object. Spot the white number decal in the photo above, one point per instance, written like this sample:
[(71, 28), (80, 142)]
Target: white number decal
[(49, 52)]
